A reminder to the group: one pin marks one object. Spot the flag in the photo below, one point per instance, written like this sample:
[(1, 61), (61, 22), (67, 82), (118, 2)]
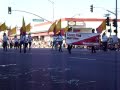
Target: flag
[(58, 26), (66, 29), (28, 27), (3, 27), (101, 27), (52, 27), (12, 31), (23, 28), (54, 30)]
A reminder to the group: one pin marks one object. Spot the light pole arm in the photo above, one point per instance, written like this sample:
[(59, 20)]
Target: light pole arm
[(111, 12), (32, 14), (106, 10), (51, 1), (75, 15)]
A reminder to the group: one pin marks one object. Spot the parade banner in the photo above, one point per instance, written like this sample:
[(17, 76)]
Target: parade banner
[(77, 38)]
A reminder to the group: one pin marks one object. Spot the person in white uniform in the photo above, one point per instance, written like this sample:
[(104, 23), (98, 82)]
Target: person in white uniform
[(54, 42), (29, 41), (23, 42), (104, 41), (60, 41), (15, 42), (69, 46), (5, 39)]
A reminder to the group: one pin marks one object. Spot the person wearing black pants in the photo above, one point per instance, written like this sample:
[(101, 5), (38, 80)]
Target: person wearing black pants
[(60, 41), (5, 43), (104, 41), (23, 42), (69, 48), (29, 41), (93, 49), (60, 47), (25, 46)]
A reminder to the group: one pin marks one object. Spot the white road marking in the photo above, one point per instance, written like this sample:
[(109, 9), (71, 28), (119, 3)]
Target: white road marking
[(29, 53), (82, 58), (7, 65), (88, 82)]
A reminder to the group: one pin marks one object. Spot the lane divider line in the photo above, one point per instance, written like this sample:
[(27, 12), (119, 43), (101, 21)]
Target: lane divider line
[(82, 58)]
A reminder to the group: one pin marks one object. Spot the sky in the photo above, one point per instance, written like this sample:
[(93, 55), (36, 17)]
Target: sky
[(62, 9)]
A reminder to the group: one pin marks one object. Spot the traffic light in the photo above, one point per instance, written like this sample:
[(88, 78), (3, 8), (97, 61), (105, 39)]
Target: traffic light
[(91, 8), (114, 22), (9, 10), (107, 21)]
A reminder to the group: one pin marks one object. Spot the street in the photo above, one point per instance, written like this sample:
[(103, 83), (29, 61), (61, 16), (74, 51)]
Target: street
[(46, 69)]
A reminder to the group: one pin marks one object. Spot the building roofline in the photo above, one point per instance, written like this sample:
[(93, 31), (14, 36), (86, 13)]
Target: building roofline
[(75, 19)]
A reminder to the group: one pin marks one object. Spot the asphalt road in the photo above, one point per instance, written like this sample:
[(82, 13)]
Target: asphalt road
[(44, 69)]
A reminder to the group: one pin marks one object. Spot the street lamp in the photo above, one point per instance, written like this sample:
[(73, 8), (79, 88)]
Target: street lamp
[(76, 15), (53, 7)]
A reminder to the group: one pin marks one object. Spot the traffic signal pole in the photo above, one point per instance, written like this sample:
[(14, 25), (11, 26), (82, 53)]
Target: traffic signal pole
[(10, 11), (116, 18), (110, 30), (116, 61)]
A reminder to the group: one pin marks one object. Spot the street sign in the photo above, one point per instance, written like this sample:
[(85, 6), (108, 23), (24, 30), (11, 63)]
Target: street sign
[(38, 20)]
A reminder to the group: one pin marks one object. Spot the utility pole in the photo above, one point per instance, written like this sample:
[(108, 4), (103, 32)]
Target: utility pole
[(116, 61), (116, 18), (110, 30), (53, 7)]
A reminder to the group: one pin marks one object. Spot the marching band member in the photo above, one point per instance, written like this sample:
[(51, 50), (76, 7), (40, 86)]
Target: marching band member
[(5, 39), (15, 42), (23, 42), (29, 41)]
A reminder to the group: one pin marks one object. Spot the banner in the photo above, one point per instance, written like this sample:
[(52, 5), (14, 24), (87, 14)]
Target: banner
[(77, 38)]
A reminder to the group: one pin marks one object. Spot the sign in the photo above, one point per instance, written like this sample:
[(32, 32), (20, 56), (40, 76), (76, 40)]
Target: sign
[(71, 23), (77, 38), (38, 20)]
